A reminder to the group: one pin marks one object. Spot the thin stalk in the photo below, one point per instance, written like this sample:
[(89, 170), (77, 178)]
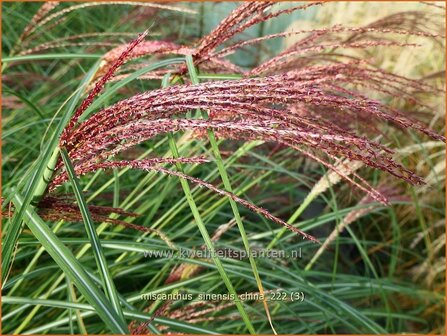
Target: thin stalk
[(73, 299), (202, 228), (228, 187), (116, 188), (309, 198), (70, 311)]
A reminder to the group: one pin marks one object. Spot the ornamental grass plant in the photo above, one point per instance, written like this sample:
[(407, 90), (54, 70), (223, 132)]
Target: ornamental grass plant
[(136, 127)]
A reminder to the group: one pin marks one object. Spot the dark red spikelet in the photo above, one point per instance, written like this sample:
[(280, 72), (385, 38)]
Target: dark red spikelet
[(98, 88)]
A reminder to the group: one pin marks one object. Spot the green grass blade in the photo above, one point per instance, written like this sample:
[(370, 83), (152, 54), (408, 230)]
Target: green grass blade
[(101, 262), (71, 267), (38, 181), (89, 311), (49, 57)]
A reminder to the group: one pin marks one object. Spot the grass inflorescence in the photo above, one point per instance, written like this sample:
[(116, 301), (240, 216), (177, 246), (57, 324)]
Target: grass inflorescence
[(169, 141)]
